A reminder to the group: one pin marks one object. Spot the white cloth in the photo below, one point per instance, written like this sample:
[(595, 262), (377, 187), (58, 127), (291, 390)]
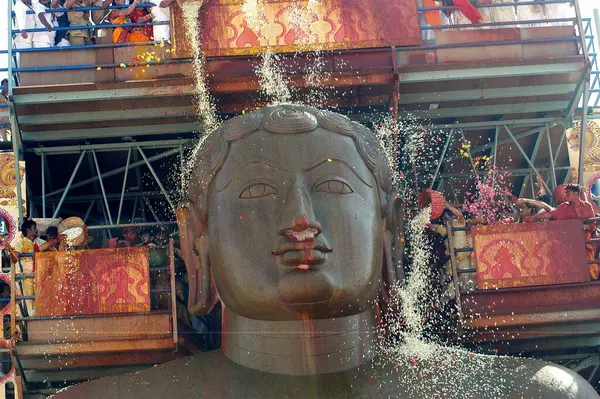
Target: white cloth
[(45, 36), (562, 10), (23, 44), (23, 21), (530, 13), (160, 14), (161, 33), (502, 14)]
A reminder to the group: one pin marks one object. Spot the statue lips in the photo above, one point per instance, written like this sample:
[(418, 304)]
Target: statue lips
[(302, 254)]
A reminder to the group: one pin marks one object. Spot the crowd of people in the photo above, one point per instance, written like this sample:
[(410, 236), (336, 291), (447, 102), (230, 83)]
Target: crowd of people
[(576, 204), (466, 13), (37, 14)]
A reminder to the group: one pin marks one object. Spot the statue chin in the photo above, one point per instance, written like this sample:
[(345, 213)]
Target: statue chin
[(310, 288)]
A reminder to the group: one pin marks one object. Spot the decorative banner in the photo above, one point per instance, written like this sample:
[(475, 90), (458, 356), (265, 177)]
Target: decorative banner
[(518, 255), (92, 281), (591, 161), (336, 25), (8, 193)]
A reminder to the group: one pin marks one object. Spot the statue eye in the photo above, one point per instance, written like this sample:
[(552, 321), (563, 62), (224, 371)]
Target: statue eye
[(258, 190), (334, 187)]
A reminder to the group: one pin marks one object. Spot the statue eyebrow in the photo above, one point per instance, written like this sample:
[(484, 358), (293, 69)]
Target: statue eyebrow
[(242, 165), (328, 159)]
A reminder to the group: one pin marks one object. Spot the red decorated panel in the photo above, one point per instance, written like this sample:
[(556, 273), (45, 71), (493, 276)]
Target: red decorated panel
[(92, 282), (517, 255), (335, 24)]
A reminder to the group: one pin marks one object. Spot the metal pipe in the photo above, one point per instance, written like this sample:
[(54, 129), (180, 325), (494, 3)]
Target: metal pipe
[(399, 49), (550, 152), (532, 186), (182, 169), (124, 185), (89, 210), (453, 191), (12, 116), (117, 171), (116, 226), (110, 196), (90, 27), (151, 209), (499, 24), (464, 139), (439, 165), (102, 186), (43, 185), (94, 8), (76, 149), (580, 28), (160, 185), (493, 5), (135, 202), (95, 66), (173, 290), (482, 148), (583, 133), (525, 156), (597, 23), (69, 185), (560, 142), (83, 47), (497, 132)]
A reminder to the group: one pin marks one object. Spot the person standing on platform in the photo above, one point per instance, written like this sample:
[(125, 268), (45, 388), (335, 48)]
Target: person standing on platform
[(46, 21), (573, 208), (23, 21), (79, 18), (129, 239), (24, 248), (161, 12)]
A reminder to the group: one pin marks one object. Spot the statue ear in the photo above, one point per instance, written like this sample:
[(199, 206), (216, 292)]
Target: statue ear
[(194, 248), (393, 246)]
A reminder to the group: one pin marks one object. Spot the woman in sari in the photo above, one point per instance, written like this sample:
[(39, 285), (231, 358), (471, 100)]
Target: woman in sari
[(119, 17), (140, 33)]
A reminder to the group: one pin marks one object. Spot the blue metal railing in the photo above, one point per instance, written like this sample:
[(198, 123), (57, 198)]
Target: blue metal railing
[(594, 99), (586, 41)]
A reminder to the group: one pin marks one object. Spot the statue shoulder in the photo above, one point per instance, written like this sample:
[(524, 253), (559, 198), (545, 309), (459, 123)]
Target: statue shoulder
[(553, 380), (485, 377), (200, 375)]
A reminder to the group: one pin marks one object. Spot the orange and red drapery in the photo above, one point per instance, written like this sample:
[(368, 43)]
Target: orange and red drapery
[(95, 281), (468, 9), (529, 254), (432, 17)]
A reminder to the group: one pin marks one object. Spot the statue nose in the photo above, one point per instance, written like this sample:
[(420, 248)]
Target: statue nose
[(299, 216), (302, 224)]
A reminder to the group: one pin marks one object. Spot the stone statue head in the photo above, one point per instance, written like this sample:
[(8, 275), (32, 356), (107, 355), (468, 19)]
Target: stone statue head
[(289, 213)]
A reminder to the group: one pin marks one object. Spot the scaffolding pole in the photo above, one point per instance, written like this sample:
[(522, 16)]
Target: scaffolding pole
[(524, 154), (65, 191), (444, 150), (550, 152), (102, 186), (582, 134), (43, 185), (117, 171), (124, 186)]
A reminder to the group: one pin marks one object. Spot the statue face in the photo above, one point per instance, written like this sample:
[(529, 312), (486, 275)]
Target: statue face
[(294, 227)]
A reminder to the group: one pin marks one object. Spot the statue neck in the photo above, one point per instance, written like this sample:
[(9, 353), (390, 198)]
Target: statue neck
[(300, 347)]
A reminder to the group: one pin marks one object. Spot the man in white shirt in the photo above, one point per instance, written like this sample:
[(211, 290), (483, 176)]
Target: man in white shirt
[(47, 21), (161, 12), (24, 21)]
